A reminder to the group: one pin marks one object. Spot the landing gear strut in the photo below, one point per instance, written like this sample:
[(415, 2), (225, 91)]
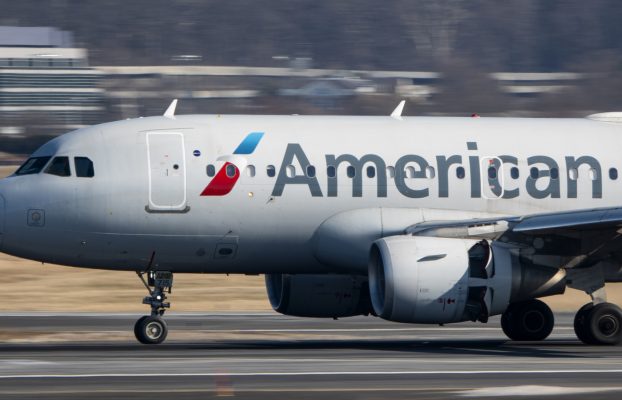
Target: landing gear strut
[(152, 329), (528, 320)]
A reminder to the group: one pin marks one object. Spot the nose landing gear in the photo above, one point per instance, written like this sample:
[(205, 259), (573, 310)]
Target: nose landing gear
[(152, 329)]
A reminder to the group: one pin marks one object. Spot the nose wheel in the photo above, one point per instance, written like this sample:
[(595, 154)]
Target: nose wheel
[(151, 329)]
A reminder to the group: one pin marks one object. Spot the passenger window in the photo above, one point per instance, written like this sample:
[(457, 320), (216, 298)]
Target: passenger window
[(311, 171), (350, 171), (460, 174), (371, 172), (250, 171), (554, 173), (430, 173), (593, 174), (84, 167), (290, 170), (613, 174), (391, 171), (59, 166), (534, 173), (271, 171), (330, 171), (573, 174), (33, 165), (410, 172), (210, 170), (231, 170), (492, 173), (514, 173)]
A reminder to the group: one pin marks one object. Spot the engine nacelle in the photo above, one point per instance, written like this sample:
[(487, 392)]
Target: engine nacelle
[(440, 280), (321, 296)]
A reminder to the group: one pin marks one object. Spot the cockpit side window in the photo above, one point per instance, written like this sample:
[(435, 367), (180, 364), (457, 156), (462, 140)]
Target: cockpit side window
[(59, 166), (84, 167), (33, 165)]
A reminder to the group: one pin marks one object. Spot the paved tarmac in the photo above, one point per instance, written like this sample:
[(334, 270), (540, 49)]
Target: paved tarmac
[(268, 356)]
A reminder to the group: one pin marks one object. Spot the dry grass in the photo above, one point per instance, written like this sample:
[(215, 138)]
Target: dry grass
[(32, 286), (7, 170)]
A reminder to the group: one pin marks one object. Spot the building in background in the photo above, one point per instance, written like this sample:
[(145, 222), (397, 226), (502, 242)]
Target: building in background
[(46, 84), (47, 87)]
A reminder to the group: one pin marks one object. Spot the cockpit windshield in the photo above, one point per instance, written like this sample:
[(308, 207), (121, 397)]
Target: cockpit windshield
[(59, 166), (33, 165)]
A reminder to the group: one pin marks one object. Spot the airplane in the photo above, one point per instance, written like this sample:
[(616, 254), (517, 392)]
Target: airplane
[(429, 220)]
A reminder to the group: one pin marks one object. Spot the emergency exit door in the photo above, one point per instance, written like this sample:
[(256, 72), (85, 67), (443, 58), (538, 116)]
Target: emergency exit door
[(167, 171), (493, 178)]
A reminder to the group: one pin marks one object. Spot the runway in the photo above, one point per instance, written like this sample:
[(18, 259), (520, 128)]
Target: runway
[(259, 356)]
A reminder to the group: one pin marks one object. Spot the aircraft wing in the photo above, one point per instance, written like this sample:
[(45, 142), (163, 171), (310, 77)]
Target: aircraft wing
[(584, 236)]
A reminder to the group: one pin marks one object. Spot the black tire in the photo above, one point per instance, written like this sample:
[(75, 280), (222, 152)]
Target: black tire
[(508, 321), (150, 330), (137, 326), (604, 324), (581, 322), (529, 321)]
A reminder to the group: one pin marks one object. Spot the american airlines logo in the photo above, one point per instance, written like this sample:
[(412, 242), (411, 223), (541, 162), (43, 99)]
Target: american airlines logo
[(227, 176), (486, 176)]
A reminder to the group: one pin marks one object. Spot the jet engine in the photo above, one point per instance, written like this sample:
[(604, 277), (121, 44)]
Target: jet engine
[(322, 296), (436, 280)]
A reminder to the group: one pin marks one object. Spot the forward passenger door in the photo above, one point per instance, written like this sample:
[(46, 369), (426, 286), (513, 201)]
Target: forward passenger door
[(166, 171)]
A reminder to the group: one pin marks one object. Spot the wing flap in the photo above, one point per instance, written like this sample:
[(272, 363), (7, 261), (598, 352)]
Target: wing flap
[(584, 236), (575, 220)]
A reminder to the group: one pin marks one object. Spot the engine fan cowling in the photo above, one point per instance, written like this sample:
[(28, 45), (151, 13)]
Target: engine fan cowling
[(320, 296), (419, 279), (441, 280)]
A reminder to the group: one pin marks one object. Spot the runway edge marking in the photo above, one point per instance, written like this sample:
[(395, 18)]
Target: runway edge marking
[(313, 373)]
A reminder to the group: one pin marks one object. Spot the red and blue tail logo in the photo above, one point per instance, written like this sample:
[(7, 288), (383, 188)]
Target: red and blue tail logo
[(222, 183)]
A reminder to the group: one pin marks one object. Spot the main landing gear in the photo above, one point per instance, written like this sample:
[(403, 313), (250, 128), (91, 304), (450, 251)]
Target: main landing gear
[(599, 324), (528, 320), (151, 329), (596, 323)]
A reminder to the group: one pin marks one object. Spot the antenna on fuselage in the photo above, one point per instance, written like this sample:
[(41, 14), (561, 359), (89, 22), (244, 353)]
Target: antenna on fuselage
[(170, 111), (397, 113)]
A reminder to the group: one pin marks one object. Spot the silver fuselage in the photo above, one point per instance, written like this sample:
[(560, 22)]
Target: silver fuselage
[(143, 207)]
